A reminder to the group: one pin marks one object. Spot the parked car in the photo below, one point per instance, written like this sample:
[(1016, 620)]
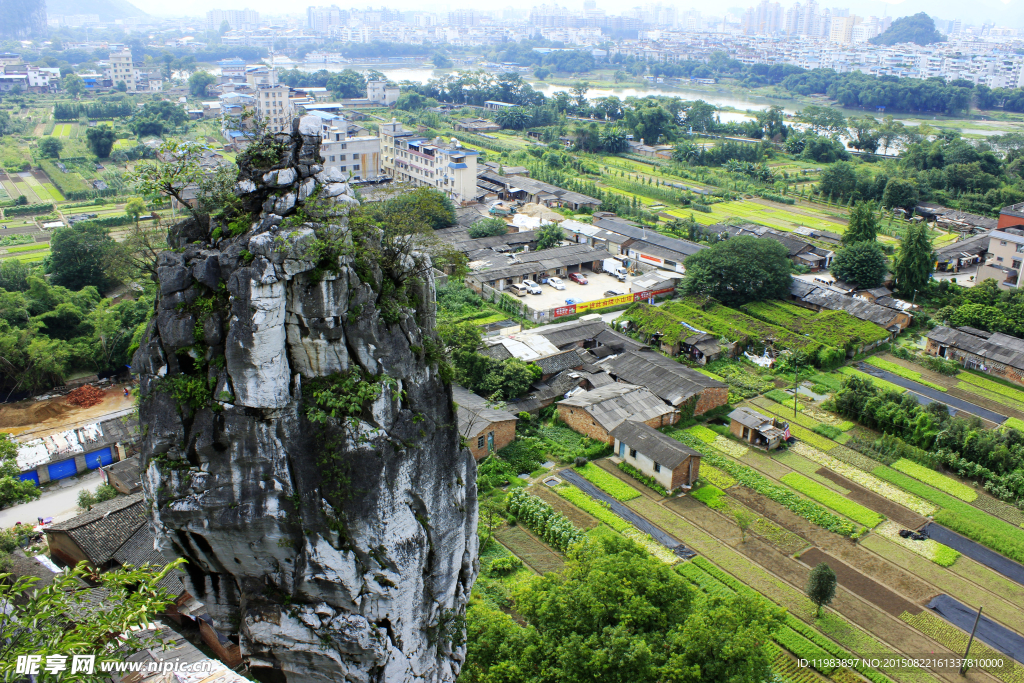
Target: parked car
[(556, 283), (518, 289), (532, 287), (578, 278), (614, 292)]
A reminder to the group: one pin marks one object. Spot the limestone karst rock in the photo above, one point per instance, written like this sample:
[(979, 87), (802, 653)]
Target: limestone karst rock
[(336, 548)]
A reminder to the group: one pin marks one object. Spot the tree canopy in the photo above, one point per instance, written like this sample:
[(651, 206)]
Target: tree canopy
[(918, 28), (863, 226), (616, 615), (914, 260), (862, 264), (488, 227), (739, 270)]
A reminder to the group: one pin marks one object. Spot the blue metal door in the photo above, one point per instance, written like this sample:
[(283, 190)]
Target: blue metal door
[(30, 476), (97, 458), (62, 469)]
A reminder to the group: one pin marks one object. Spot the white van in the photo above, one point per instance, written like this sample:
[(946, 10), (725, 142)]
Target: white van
[(518, 289)]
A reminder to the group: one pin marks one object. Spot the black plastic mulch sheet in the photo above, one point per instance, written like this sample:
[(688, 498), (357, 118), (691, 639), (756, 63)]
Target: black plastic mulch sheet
[(977, 552), (989, 632), (633, 518)]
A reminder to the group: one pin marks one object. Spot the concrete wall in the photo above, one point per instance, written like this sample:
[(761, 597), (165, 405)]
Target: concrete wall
[(504, 433), (685, 474)]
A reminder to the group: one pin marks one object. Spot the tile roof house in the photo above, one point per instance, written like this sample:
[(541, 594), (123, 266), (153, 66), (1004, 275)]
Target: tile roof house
[(671, 463), (818, 297), (95, 536), (673, 382), (595, 413), (557, 362), (484, 427), (995, 353)]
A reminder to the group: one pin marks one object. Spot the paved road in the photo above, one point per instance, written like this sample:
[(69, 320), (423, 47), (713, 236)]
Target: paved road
[(928, 394), (627, 514), (59, 503)]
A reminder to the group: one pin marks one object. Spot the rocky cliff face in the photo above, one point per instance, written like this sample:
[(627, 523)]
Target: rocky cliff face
[(300, 445)]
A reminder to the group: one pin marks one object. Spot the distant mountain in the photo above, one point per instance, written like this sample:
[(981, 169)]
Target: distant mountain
[(919, 29), (109, 10), (22, 18)]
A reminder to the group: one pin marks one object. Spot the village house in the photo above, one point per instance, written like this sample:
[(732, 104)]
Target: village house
[(766, 433), (669, 462), (676, 384), (476, 126), (500, 271), (123, 476), (96, 535), (818, 297), (525, 189), (595, 413), (962, 254), (1005, 255), (63, 454), (485, 428), (995, 353)]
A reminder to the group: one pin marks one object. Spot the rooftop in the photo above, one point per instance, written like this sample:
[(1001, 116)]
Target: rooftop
[(611, 404), (101, 531), (662, 449), (672, 381), (998, 347)]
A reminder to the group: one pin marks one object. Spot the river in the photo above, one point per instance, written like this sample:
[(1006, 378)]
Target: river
[(710, 94)]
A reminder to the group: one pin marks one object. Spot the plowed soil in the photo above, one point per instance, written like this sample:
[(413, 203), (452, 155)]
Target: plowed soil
[(868, 498), (855, 582)]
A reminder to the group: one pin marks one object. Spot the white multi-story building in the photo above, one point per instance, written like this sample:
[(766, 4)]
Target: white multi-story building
[(357, 155), (448, 167), (122, 68), (238, 19), (380, 92), (274, 107)]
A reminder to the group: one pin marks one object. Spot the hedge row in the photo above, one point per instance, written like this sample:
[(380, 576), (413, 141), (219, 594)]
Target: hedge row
[(28, 209), (108, 221)]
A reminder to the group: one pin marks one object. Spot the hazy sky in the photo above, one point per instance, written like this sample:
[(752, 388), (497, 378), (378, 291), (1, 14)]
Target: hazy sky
[(974, 11)]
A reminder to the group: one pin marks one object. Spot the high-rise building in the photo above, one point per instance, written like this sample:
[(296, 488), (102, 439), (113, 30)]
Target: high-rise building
[(765, 18), (589, 5), (321, 19), (238, 19)]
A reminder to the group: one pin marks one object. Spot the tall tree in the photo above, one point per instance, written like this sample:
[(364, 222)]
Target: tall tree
[(821, 586), (199, 82), (73, 84), (862, 264), (77, 255), (739, 270), (914, 260), (12, 488), (50, 147), (863, 225), (101, 139), (550, 236), (900, 193)]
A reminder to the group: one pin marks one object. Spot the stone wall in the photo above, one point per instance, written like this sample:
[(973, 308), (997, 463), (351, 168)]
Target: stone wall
[(711, 398), (337, 545)]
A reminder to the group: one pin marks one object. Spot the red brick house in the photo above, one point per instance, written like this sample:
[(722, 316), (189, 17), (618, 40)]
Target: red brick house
[(485, 428), (596, 413)]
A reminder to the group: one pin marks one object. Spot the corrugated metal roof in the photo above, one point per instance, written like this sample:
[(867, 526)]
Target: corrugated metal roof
[(610, 405), (672, 381)]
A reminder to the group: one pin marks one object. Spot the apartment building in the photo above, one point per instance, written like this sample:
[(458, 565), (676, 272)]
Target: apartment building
[(1005, 257), (380, 92), (122, 68), (274, 107), (408, 157), (357, 155), (238, 19)]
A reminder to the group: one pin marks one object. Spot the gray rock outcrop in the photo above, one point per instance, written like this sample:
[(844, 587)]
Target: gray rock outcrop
[(300, 446)]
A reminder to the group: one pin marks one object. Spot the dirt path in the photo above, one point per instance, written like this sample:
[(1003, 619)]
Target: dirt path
[(35, 419), (859, 494), (855, 582)]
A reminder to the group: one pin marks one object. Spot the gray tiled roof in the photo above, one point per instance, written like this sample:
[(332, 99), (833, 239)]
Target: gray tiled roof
[(977, 244), (749, 418), (579, 330), (672, 381), (557, 362), (611, 404), (474, 413), (139, 550), (858, 308), (101, 531), (662, 449), (998, 348)]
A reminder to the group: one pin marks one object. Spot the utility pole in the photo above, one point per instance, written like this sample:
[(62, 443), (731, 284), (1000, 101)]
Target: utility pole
[(796, 388), (963, 667)]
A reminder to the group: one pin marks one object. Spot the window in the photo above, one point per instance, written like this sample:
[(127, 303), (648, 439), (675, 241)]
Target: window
[(344, 168), (332, 157), (670, 264), (657, 467), (1020, 248), (356, 167), (1002, 243), (342, 157), (1015, 263), (480, 441), (999, 258), (632, 452)]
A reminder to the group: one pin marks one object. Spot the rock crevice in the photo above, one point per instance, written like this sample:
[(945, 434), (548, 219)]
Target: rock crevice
[(335, 537)]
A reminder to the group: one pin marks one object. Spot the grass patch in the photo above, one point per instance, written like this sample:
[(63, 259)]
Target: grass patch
[(963, 518), (936, 479), (1014, 423), (530, 550), (956, 640), (811, 438), (716, 476), (780, 396), (903, 372), (596, 508), (647, 481), (834, 500), (828, 431), (703, 433), (29, 247), (609, 483)]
